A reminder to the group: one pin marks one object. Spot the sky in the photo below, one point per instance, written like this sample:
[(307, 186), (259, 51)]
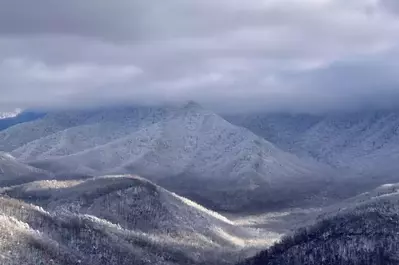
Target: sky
[(229, 55)]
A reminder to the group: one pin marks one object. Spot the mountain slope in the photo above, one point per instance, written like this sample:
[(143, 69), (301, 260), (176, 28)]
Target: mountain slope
[(130, 201), (13, 172), (116, 220), (363, 141), (34, 236), (124, 119), (363, 232), (22, 117), (179, 147)]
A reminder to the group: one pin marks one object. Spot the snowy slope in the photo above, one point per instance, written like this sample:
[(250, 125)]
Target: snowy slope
[(366, 235), (360, 230), (31, 235), (282, 129), (188, 144), (118, 220), (22, 117), (13, 172), (382, 195), (79, 122), (365, 141), (135, 204), (10, 114)]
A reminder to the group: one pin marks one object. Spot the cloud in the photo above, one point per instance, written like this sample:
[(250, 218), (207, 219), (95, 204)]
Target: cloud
[(390, 5), (230, 55)]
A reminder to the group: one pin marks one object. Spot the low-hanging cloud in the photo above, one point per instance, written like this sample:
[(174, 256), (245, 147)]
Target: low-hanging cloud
[(230, 55)]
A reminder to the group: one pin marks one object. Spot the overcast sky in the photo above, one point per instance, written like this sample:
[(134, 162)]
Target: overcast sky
[(296, 55)]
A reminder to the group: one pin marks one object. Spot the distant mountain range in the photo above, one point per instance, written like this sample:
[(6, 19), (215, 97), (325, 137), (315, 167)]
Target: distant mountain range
[(8, 120), (186, 149), (70, 191), (366, 142)]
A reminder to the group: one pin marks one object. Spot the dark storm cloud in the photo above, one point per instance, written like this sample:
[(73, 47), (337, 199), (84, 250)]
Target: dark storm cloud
[(256, 54)]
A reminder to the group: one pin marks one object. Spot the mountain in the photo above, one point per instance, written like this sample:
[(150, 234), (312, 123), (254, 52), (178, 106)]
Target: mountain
[(113, 220), (186, 149), (10, 114), (13, 172), (364, 141), (113, 123), (8, 120), (365, 231), (130, 201)]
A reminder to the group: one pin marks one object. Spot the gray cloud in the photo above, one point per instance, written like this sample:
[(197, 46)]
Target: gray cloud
[(231, 55), (390, 6)]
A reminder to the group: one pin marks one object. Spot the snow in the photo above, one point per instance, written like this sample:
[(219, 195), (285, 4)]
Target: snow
[(159, 143), (200, 156), (13, 171), (10, 114), (159, 222), (135, 203), (364, 141)]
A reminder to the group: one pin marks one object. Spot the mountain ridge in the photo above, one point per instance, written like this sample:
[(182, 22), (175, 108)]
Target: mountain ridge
[(157, 143), (13, 172), (358, 141), (115, 220)]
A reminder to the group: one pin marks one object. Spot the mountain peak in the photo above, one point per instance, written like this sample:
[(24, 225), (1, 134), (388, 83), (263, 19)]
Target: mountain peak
[(192, 105)]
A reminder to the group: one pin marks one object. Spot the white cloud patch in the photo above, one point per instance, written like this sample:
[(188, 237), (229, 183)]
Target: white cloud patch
[(230, 54)]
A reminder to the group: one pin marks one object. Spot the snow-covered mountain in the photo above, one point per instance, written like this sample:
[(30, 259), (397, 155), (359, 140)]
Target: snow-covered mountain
[(130, 201), (90, 125), (22, 117), (364, 141), (13, 172), (114, 220), (9, 114), (186, 148)]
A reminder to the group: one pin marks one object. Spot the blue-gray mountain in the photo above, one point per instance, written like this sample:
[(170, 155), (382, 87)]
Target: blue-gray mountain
[(262, 163), (22, 117), (367, 142), (187, 149)]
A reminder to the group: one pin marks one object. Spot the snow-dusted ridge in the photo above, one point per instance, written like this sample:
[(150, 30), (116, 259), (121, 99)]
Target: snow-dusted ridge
[(363, 141), (10, 114), (13, 172), (131, 201), (179, 147), (103, 217)]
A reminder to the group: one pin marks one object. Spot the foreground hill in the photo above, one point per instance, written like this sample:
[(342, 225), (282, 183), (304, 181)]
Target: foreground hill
[(31, 235), (187, 149), (361, 231), (130, 201), (114, 220), (13, 172)]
